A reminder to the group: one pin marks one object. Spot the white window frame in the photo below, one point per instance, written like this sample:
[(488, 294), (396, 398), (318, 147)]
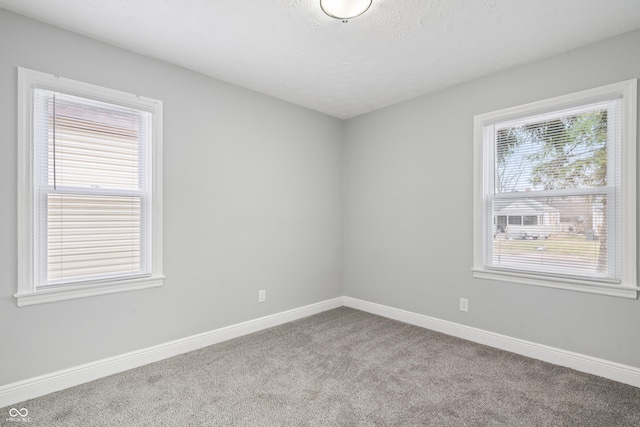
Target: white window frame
[(628, 286), (27, 293)]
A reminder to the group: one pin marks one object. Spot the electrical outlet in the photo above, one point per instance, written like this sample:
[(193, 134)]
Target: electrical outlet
[(262, 295), (464, 304)]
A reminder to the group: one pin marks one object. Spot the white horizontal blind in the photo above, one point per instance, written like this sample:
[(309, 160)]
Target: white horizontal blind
[(553, 193), (92, 193)]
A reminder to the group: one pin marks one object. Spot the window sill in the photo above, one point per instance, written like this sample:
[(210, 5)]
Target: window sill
[(587, 286), (83, 291)]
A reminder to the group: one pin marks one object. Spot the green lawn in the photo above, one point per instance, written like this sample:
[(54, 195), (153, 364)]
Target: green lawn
[(575, 245)]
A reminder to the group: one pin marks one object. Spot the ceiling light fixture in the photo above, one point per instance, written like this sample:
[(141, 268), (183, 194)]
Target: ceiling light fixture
[(345, 9)]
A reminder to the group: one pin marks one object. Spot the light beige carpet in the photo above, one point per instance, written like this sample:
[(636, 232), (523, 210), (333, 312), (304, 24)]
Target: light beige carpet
[(342, 368)]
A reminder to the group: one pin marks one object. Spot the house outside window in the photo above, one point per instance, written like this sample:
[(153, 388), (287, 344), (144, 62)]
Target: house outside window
[(90, 199), (555, 192)]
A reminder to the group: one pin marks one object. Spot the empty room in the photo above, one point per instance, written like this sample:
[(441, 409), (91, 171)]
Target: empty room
[(305, 212)]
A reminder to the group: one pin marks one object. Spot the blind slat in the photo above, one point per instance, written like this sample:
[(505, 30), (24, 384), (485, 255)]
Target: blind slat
[(559, 172), (93, 145)]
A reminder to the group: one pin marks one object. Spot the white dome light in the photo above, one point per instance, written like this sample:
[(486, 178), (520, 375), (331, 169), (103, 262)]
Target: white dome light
[(344, 9)]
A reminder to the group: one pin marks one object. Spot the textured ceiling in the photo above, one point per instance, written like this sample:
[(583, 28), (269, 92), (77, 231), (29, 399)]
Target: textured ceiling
[(289, 49)]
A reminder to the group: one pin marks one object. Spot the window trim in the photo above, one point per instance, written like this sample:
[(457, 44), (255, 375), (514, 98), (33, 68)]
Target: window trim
[(26, 289), (628, 287)]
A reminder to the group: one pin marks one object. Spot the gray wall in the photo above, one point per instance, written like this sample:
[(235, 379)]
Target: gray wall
[(252, 191), (254, 199), (408, 210)]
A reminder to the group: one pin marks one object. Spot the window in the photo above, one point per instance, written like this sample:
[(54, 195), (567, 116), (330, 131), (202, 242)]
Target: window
[(515, 220), (90, 194), (555, 192)]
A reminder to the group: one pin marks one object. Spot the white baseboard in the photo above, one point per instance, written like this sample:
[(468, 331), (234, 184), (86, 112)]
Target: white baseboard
[(17, 392), (34, 387), (580, 362)]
